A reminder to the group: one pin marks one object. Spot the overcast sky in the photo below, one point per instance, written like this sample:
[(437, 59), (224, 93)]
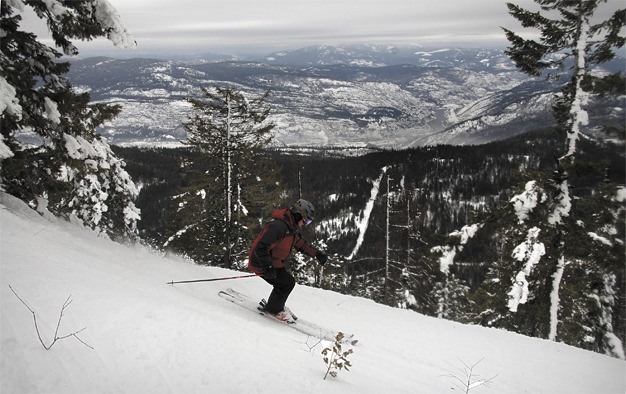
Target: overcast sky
[(238, 26)]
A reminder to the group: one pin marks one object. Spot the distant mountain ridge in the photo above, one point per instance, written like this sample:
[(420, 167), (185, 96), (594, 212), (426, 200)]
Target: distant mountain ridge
[(386, 97), (390, 55)]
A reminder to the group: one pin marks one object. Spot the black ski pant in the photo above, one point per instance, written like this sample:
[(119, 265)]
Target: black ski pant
[(283, 285)]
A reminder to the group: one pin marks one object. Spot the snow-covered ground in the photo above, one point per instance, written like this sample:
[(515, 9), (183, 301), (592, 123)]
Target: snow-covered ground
[(149, 337)]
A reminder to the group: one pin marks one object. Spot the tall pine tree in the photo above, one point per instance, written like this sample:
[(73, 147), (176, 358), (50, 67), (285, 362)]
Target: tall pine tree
[(232, 182), (568, 49)]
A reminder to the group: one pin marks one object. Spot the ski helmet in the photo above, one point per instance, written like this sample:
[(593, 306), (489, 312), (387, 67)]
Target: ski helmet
[(305, 208)]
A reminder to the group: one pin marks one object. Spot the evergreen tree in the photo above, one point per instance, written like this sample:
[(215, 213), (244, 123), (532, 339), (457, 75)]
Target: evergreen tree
[(588, 311), (72, 170), (449, 291), (410, 276), (568, 48), (232, 183), (514, 294)]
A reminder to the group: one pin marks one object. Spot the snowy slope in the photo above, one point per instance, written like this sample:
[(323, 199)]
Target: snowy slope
[(149, 337)]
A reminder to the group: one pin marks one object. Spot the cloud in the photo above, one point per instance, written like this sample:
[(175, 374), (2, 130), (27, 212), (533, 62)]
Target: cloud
[(209, 25), (263, 23)]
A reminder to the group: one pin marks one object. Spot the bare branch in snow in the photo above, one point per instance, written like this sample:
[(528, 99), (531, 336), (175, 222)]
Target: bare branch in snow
[(67, 303)]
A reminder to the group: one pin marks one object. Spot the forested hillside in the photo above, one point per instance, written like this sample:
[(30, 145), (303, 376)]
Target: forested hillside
[(447, 184), (387, 216)]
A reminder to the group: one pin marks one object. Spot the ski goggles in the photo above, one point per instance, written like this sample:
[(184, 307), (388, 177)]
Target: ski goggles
[(307, 220)]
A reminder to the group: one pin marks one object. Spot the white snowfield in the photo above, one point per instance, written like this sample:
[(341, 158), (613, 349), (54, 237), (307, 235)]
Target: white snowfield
[(149, 337)]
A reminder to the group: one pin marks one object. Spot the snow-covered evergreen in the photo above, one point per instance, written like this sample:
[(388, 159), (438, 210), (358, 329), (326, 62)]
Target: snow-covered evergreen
[(572, 37), (72, 170)]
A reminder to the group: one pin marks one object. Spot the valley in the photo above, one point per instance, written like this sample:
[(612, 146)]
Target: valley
[(442, 96)]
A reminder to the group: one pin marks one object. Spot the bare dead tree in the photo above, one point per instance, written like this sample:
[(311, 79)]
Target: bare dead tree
[(67, 303)]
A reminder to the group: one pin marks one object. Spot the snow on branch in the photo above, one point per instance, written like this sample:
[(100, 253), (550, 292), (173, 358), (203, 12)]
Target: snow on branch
[(448, 252), (466, 232), (5, 151), (530, 252), (111, 22), (8, 99), (57, 9), (525, 202), (563, 204)]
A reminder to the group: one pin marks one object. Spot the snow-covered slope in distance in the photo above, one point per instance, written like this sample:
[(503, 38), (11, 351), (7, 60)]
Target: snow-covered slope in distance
[(150, 337)]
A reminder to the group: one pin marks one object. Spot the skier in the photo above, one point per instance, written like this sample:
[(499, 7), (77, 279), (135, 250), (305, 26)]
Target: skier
[(272, 247)]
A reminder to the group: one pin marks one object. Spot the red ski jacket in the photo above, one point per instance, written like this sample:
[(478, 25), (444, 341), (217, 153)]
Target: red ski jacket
[(275, 241)]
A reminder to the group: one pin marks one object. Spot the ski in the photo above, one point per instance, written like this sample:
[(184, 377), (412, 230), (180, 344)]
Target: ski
[(297, 324)]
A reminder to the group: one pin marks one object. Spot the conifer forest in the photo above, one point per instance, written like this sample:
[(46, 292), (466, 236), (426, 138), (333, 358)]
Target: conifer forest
[(422, 202)]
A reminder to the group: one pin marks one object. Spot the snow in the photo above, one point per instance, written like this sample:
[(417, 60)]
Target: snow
[(555, 299), (563, 206), (56, 8), (149, 337), (621, 194), (529, 252), (466, 233), (8, 99), (607, 296), (448, 253), (5, 151), (431, 52), (599, 238), (177, 235), (579, 116), (363, 223), (110, 20), (447, 257), (10, 104), (52, 110), (525, 202), (94, 188)]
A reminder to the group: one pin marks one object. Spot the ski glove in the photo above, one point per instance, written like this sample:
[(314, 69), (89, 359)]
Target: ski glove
[(322, 258), (269, 272)]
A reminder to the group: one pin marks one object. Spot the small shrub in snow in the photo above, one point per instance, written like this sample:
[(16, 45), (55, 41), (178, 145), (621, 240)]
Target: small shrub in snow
[(335, 358), (468, 380)]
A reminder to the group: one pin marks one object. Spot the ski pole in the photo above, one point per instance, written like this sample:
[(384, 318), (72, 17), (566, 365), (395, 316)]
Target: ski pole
[(211, 280)]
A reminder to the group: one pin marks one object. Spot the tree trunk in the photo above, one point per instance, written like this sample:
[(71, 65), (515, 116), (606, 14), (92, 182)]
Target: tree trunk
[(387, 248), (578, 118), (229, 170)]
